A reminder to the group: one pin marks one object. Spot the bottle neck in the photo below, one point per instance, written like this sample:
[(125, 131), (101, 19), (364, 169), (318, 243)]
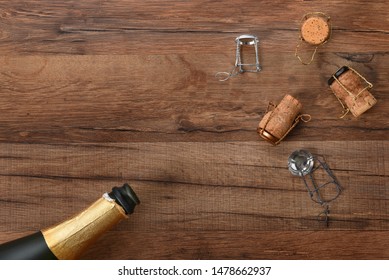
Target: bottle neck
[(71, 238)]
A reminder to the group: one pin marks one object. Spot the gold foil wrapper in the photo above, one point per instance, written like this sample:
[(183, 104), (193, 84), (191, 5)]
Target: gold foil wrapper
[(69, 239)]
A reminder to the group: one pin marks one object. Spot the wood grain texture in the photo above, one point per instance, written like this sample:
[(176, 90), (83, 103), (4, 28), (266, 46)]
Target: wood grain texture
[(247, 245), (124, 71), (191, 186), (97, 93)]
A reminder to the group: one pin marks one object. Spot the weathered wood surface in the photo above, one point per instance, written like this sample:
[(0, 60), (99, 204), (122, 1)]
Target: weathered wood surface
[(195, 186), (128, 71), (97, 93)]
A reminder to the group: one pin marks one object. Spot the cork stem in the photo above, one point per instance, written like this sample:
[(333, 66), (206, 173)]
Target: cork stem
[(303, 117)]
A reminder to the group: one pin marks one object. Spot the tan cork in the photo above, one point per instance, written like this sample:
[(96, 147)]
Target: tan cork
[(281, 119), (315, 30), (354, 84)]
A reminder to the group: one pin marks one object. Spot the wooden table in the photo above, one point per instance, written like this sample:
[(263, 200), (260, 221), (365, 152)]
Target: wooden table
[(97, 93)]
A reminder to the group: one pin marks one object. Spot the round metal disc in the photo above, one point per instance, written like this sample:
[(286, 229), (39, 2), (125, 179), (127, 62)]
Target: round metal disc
[(300, 163)]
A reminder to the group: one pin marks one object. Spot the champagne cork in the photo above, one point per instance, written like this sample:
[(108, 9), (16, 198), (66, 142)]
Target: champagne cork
[(351, 89), (315, 30), (280, 120)]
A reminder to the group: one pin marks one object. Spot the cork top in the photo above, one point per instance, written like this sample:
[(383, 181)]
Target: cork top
[(315, 30), (125, 197), (337, 74)]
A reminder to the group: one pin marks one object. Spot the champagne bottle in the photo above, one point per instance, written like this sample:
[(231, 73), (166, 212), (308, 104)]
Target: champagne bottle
[(69, 239)]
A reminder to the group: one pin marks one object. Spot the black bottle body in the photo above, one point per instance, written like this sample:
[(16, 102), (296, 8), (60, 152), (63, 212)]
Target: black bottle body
[(31, 247)]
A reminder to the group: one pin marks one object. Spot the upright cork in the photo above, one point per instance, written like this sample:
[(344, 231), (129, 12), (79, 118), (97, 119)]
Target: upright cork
[(280, 120), (351, 89), (315, 30)]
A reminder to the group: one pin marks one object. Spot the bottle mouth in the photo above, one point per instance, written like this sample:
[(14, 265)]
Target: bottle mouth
[(125, 197)]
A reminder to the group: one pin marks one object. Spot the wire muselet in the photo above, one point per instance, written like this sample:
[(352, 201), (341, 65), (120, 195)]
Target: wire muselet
[(240, 66), (304, 164)]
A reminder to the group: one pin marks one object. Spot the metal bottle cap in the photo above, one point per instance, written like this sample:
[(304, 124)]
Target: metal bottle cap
[(300, 163), (337, 74), (268, 136)]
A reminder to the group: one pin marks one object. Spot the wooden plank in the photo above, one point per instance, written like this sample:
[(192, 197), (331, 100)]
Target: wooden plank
[(119, 98), (129, 98), (117, 26), (194, 186), (243, 245)]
